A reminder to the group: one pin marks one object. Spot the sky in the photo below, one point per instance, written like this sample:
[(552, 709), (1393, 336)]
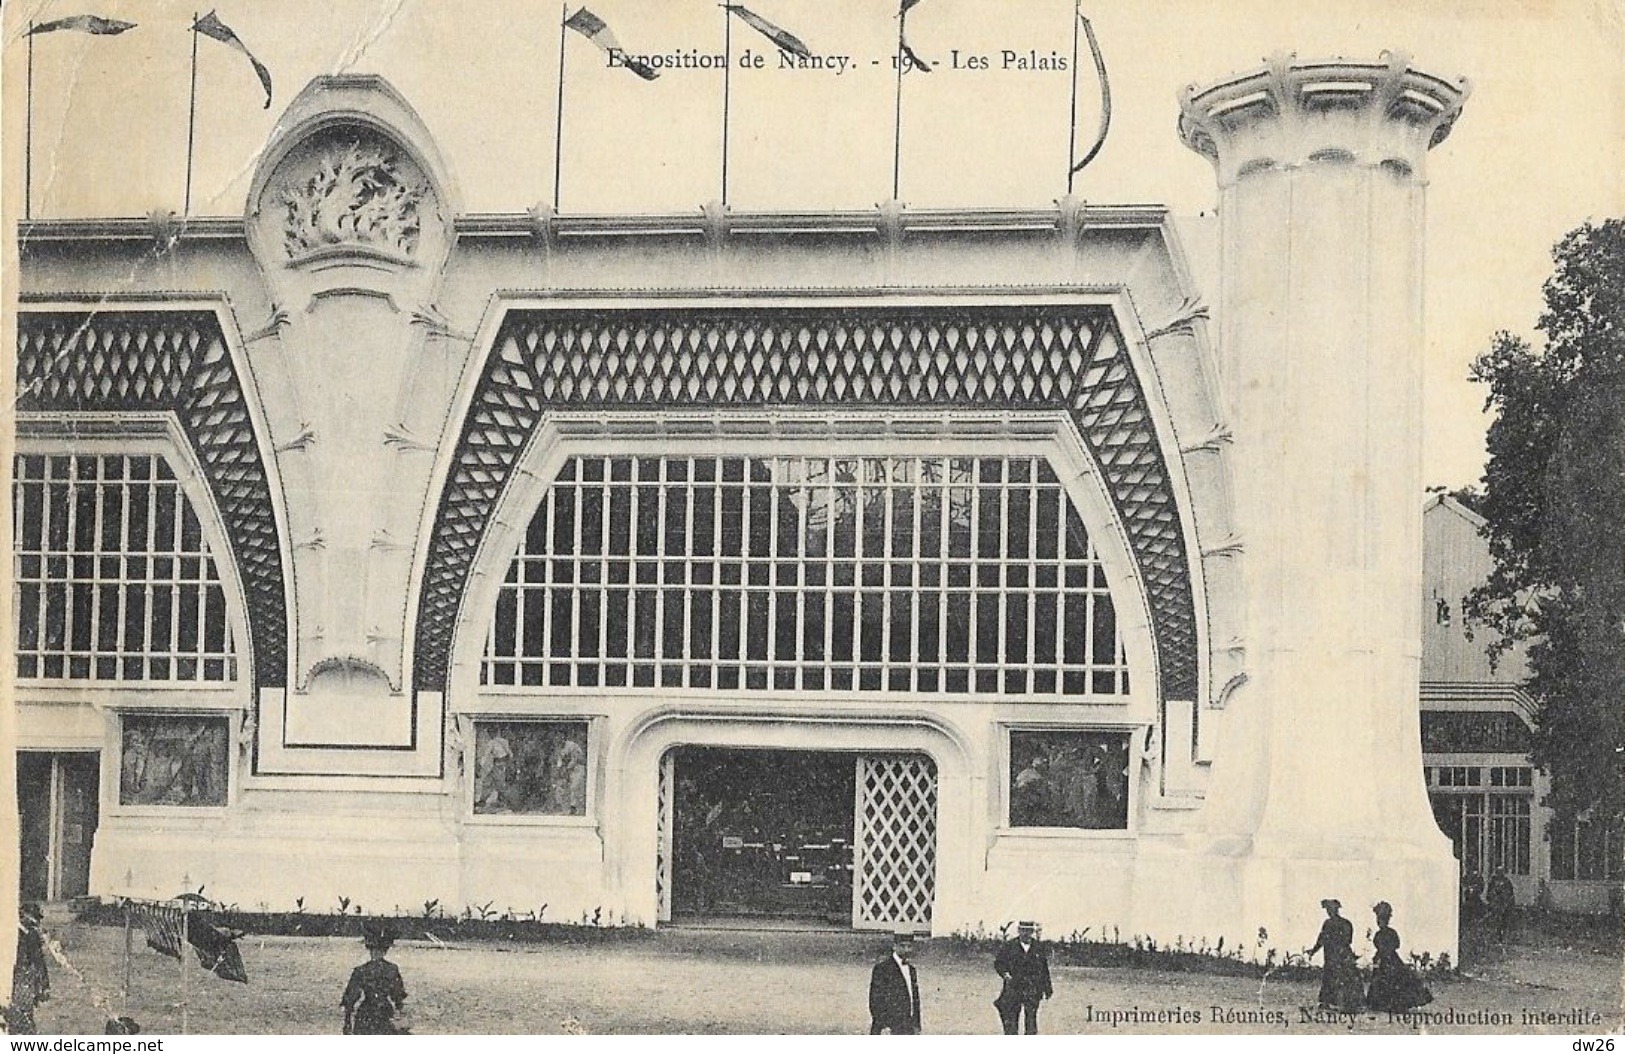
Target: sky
[(1539, 149)]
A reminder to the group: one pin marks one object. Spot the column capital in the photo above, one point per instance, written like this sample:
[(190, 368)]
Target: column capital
[(1293, 112)]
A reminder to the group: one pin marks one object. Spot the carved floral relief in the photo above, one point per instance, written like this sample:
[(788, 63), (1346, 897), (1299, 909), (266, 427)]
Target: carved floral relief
[(357, 194)]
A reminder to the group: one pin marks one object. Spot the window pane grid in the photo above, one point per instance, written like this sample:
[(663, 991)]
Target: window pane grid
[(1509, 833), (114, 579), (903, 574)]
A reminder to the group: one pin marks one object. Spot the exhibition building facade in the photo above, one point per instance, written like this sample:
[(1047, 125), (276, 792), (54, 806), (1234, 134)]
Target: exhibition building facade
[(900, 568)]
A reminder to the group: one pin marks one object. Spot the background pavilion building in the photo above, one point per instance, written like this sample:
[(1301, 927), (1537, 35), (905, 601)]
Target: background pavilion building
[(906, 569)]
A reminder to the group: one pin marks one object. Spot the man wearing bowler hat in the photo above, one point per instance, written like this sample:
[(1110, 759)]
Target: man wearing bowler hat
[(1023, 964), (894, 991)]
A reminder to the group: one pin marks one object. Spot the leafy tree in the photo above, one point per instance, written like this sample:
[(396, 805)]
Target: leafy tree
[(1554, 497)]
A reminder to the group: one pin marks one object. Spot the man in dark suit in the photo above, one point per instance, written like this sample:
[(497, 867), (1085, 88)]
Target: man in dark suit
[(1501, 901), (894, 991), (1024, 965)]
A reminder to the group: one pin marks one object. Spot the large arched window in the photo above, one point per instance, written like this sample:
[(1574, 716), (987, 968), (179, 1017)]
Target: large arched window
[(873, 574), (115, 581)]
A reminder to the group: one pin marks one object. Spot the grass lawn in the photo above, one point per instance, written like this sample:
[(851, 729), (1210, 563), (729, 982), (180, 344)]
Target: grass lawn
[(717, 981)]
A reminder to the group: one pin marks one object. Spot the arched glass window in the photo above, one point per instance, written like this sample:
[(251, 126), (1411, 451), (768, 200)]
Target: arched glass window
[(872, 574), (114, 579)]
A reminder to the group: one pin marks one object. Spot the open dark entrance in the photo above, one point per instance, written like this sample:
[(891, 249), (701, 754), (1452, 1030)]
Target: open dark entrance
[(762, 833), (58, 812)]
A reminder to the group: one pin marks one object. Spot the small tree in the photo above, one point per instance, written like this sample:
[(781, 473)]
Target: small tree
[(1554, 500)]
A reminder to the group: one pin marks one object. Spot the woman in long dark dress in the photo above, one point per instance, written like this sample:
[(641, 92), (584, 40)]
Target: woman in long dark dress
[(1340, 984), (376, 991), (30, 979), (1394, 985)]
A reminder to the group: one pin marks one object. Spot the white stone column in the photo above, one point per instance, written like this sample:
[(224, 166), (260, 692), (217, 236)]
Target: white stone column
[(1318, 790)]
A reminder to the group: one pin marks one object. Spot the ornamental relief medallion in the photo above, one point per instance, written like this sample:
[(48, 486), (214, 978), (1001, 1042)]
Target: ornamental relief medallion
[(355, 194)]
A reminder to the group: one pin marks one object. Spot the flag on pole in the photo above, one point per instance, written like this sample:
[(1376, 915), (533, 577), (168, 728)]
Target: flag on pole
[(96, 26), (217, 950), (1105, 100), (914, 60), (92, 24), (210, 26), (162, 925), (596, 30), (787, 42)]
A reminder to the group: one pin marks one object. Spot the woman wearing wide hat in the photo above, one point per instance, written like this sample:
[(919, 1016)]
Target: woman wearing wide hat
[(1340, 984), (1394, 985), (376, 992)]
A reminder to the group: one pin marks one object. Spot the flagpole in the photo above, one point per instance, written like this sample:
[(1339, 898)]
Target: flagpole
[(186, 936), (124, 1003), (727, 70), (558, 120), (191, 123), (1072, 133), (28, 132), (897, 112)]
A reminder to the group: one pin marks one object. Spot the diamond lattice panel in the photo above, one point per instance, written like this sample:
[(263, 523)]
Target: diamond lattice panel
[(997, 357), (106, 362), (895, 872), (663, 846)]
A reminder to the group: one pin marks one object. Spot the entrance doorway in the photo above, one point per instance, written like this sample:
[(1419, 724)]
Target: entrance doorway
[(834, 837), (762, 833), (58, 811)]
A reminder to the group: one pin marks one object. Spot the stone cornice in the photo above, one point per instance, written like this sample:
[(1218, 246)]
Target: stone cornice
[(127, 229), (862, 222), (875, 223)]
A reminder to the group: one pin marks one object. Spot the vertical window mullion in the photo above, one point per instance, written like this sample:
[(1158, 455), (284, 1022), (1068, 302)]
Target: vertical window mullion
[(657, 555), (605, 559), (149, 550), (1004, 571), (96, 569), (686, 553), (121, 645), (944, 529), (916, 558), (803, 512), (888, 501), (606, 532), (202, 599), (716, 571), (1032, 574), (175, 590), (684, 497), (773, 495), (547, 584), (1089, 617), (860, 553), (577, 560), (830, 511), (71, 547), (973, 640), (745, 524), (44, 561), (1061, 589), (524, 605)]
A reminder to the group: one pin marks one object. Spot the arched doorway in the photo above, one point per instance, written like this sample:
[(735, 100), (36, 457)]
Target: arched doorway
[(808, 835)]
